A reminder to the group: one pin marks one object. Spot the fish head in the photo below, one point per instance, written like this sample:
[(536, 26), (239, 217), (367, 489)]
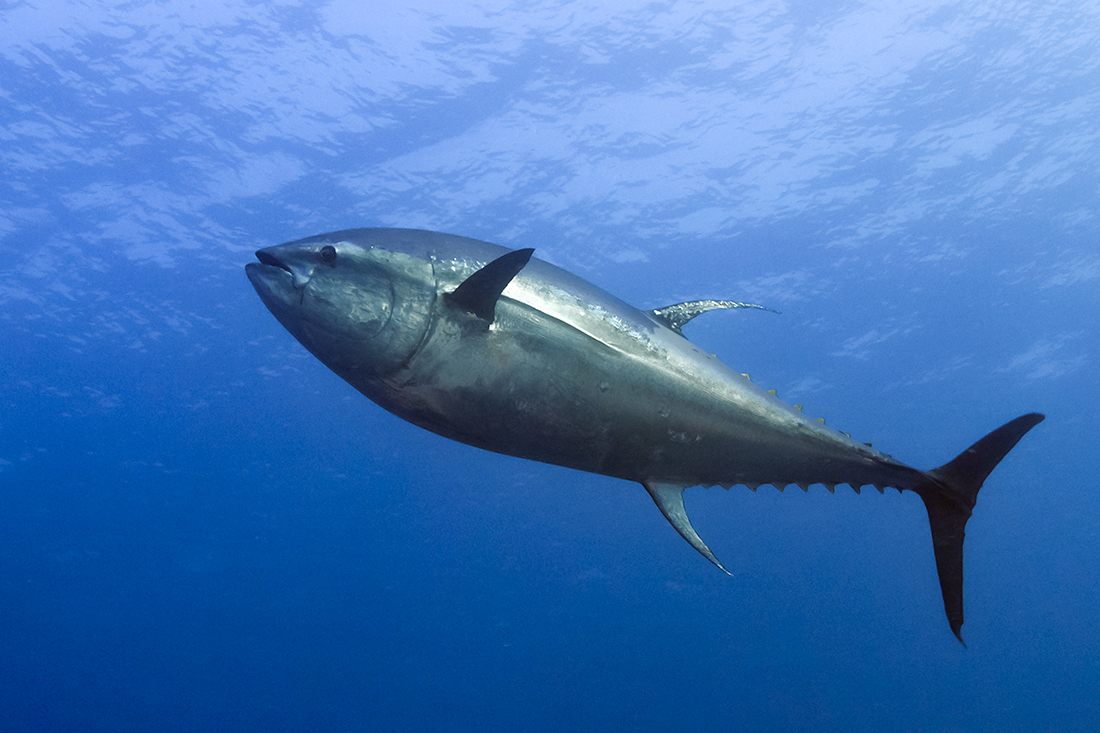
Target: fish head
[(362, 310)]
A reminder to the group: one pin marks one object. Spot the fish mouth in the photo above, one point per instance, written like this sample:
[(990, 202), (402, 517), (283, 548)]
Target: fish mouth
[(274, 283), (269, 259)]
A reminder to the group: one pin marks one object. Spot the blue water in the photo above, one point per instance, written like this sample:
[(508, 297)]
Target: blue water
[(202, 528)]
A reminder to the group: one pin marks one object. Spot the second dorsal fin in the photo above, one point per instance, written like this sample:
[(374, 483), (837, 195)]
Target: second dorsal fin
[(480, 292), (675, 316)]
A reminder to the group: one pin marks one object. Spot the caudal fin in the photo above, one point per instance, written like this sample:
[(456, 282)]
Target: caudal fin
[(950, 492)]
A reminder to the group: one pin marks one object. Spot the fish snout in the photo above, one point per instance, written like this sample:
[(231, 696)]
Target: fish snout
[(300, 268), (267, 258)]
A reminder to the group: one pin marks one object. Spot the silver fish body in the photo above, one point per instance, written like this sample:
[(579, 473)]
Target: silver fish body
[(511, 354)]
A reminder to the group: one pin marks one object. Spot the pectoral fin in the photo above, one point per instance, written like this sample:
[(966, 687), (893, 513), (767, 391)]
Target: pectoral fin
[(480, 292), (669, 498)]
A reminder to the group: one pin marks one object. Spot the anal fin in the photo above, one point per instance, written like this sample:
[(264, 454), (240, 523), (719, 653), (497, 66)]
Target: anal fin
[(669, 498)]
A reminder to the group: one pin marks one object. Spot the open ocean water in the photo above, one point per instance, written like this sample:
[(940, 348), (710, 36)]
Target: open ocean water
[(203, 528)]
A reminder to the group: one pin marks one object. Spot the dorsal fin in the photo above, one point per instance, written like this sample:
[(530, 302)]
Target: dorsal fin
[(675, 316), (479, 293), (669, 498)]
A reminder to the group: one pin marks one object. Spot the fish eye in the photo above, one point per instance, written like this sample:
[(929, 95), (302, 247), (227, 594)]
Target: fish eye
[(328, 253)]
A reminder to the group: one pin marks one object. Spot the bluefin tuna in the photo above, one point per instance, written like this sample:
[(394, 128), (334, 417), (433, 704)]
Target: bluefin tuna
[(502, 351)]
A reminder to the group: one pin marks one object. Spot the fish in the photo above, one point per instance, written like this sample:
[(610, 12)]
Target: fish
[(499, 350)]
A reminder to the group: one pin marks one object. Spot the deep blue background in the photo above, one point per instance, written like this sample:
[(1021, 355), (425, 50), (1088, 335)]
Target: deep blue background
[(202, 528)]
